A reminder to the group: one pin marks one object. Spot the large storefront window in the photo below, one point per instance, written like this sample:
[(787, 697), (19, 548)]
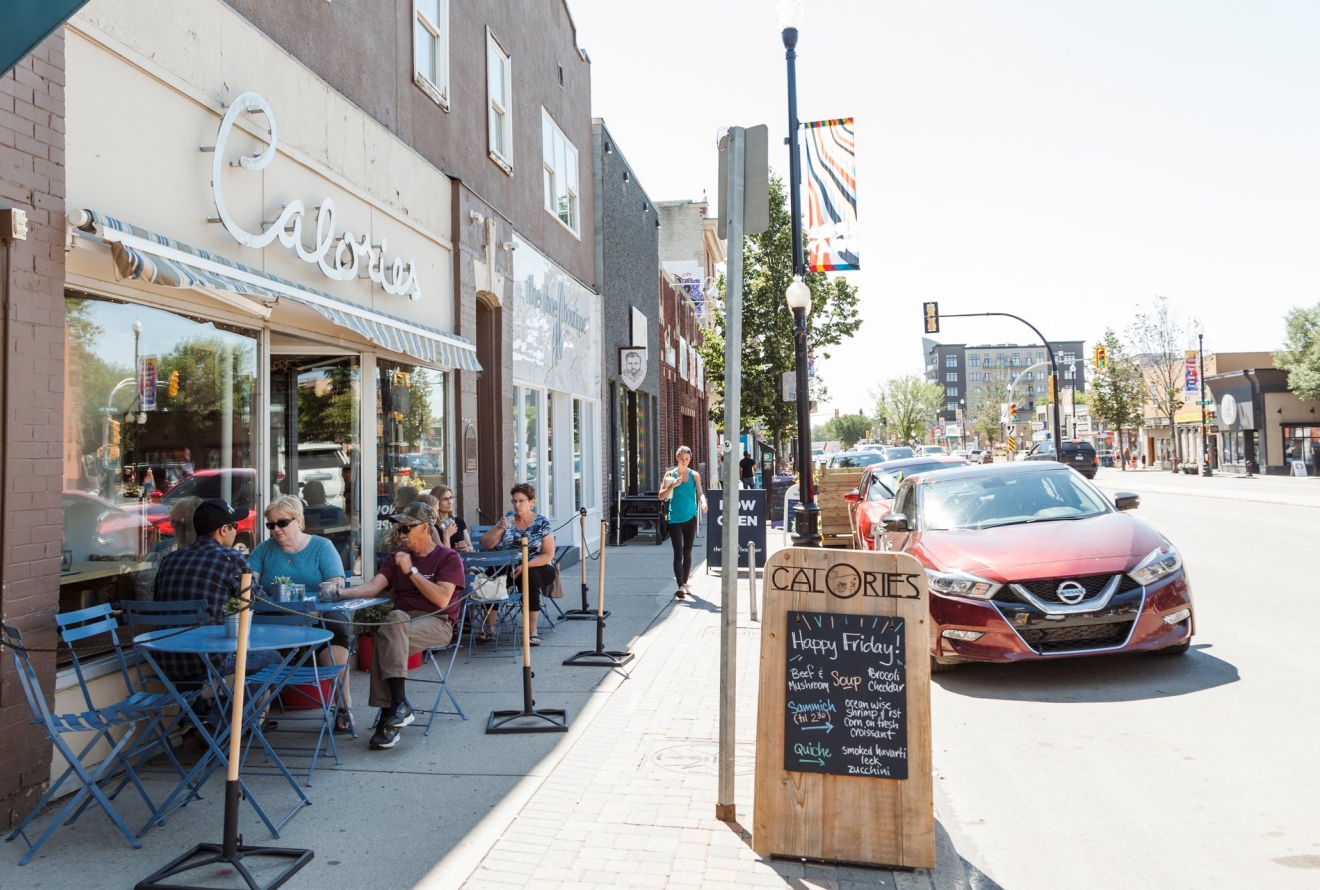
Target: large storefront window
[(157, 407), (1301, 443), (412, 448), (527, 422), (315, 441), (1234, 448)]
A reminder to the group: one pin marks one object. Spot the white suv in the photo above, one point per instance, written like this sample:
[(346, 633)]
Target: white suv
[(322, 462)]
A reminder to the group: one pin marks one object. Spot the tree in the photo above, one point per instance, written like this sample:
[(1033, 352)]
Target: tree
[(1158, 338), (909, 404), (768, 348), (1300, 355), (1117, 391), (987, 425), (846, 429)]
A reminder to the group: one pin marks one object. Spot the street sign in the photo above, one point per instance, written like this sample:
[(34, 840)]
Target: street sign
[(1012, 444), (788, 386), (756, 190), (1038, 424)]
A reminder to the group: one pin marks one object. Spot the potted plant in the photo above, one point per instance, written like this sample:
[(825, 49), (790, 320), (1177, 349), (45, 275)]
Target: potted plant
[(232, 608), (1189, 468), (279, 588), (368, 620)]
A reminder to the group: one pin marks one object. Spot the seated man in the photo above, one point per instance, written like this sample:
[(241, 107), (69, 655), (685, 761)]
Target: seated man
[(209, 569), (427, 581)]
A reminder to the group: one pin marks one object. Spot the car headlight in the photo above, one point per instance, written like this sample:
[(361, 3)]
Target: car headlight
[(1159, 564), (957, 583)]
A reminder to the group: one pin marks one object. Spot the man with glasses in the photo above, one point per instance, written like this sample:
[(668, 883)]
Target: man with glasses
[(427, 581)]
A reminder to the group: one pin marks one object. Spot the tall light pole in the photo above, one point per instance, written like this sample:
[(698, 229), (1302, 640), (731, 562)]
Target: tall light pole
[(1205, 442), (798, 294)]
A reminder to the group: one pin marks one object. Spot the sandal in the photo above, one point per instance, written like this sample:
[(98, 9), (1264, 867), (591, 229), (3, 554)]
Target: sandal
[(343, 723), (534, 640), (484, 638)]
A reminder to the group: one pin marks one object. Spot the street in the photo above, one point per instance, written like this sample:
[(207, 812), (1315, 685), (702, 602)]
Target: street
[(1145, 772)]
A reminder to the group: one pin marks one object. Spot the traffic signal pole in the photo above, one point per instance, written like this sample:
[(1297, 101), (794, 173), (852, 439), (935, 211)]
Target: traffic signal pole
[(1054, 362)]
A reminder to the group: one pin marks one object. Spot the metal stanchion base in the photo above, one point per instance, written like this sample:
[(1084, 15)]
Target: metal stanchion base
[(599, 658), (543, 720), (582, 614), (217, 857)]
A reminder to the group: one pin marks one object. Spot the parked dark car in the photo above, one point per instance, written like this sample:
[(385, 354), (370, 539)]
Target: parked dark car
[(1028, 562), (1077, 453)]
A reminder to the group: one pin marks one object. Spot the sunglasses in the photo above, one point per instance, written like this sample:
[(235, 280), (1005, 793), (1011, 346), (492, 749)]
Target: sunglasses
[(279, 523), (409, 527)]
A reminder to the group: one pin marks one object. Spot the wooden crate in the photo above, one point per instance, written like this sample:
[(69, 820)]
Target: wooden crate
[(831, 485)]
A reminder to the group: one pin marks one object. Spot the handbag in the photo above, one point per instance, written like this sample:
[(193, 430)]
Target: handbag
[(487, 589), (556, 590)]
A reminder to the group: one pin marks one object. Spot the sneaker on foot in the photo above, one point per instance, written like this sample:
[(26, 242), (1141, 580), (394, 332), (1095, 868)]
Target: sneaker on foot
[(384, 737), (681, 592), (397, 717)]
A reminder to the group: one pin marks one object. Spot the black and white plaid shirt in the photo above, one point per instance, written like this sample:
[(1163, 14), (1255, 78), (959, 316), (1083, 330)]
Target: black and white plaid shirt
[(204, 570)]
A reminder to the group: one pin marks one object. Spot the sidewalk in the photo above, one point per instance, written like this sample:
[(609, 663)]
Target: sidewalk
[(632, 803), (625, 798), (1293, 491)]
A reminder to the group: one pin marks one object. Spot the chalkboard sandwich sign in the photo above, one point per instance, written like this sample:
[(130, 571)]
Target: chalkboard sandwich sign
[(843, 755)]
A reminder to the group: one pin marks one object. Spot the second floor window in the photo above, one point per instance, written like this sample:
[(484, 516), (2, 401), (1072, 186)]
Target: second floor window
[(951, 377), (499, 87), (950, 390), (431, 49), (560, 160)]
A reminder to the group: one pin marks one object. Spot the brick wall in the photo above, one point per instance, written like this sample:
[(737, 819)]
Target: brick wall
[(32, 179), (683, 404)]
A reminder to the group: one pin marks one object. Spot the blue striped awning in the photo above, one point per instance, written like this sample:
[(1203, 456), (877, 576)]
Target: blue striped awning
[(140, 262)]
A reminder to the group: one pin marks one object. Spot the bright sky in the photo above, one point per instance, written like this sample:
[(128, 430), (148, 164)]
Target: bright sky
[(1065, 162)]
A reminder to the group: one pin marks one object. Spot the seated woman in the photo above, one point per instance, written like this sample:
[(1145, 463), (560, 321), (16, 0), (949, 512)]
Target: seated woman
[(309, 560), (453, 530), (506, 535)]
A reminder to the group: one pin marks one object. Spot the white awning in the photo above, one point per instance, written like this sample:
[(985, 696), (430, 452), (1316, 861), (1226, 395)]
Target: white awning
[(155, 259)]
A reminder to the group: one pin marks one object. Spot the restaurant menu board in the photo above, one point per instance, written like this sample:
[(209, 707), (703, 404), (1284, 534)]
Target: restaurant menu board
[(846, 704)]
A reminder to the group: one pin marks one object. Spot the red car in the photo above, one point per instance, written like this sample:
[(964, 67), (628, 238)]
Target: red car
[(871, 500), (1030, 561), (234, 484)]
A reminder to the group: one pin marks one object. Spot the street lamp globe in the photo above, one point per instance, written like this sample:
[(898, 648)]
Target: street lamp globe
[(798, 295), (790, 14), (137, 327)]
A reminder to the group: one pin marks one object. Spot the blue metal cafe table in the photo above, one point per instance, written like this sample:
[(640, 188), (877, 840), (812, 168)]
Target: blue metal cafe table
[(294, 642)]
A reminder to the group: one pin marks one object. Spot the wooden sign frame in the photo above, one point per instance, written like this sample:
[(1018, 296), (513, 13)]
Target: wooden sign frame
[(844, 818)]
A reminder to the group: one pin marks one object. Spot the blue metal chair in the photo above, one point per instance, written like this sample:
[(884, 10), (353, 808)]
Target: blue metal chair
[(146, 615), (442, 660), (123, 717)]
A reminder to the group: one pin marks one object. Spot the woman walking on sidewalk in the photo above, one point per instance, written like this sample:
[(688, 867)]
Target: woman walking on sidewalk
[(682, 488)]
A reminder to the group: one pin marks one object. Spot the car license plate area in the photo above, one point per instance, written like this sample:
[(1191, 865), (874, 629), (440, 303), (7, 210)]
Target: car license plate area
[(1054, 634)]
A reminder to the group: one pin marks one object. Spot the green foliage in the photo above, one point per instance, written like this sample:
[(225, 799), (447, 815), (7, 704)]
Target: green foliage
[(909, 404), (366, 620), (768, 347), (1158, 338), (1116, 393), (417, 420), (987, 425), (328, 413), (847, 429), (1300, 355)]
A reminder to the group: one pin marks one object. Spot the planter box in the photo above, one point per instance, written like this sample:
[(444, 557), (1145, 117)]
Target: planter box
[(364, 655)]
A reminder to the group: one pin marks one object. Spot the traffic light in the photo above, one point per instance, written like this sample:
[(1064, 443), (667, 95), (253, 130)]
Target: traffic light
[(114, 432), (932, 317), (174, 383), (1012, 412), (1101, 358), (1051, 387)]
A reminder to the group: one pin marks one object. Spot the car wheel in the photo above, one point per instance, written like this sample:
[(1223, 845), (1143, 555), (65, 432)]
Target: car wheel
[(941, 667), (1176, 649)]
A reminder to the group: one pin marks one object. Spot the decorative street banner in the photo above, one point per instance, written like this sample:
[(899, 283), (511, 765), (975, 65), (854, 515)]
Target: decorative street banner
[(831, 196), (1191, 380)]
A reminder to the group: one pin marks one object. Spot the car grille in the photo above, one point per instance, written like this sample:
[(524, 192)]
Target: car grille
[(1048, 640), (1046, 590)]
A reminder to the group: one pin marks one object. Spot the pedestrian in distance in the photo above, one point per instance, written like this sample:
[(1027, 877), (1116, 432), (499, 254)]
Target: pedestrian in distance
[(681, 487), (747, 471)]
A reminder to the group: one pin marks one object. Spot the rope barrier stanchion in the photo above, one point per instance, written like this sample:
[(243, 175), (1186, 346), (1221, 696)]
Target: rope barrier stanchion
[(599, 657), (751, 578), (231, 850), (586, 613), (529, 719)]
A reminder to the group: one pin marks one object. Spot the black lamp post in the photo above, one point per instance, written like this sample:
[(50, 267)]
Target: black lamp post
[(1205, 442), (798, 294)]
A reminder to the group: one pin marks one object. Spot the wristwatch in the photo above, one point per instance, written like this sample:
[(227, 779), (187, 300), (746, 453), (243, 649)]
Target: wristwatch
[(414, 571)]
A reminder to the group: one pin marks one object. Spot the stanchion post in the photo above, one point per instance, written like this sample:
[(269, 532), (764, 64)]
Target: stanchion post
[(545, 720), (751, 577), (231, 850), (600, 657), (586, 613)]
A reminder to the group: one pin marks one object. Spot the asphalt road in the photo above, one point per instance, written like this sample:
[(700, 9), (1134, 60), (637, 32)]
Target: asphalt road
[(1143, 772)]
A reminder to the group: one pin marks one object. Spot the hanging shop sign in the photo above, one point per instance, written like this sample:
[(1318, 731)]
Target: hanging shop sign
[(339, 256)]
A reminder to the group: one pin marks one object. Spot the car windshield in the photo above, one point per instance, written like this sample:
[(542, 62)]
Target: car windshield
[(211, 485), (883, 486), (856, 460), (899, 452), (988, 501)]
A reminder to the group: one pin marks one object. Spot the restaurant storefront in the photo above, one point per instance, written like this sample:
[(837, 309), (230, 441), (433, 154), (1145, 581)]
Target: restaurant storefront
[(248, 312), (1262, 426), (555, 409)]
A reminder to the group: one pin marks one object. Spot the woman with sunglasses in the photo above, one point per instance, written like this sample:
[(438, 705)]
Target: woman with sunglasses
[(290, 552), (681, 487), (506, 535), (453, 530)]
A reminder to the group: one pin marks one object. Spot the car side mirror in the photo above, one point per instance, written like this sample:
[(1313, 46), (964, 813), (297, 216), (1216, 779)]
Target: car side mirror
[(1126, 500), (853, 496), (896, 522)]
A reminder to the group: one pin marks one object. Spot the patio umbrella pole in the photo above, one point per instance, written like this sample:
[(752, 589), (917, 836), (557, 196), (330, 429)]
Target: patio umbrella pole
[(231, 851), (546, 719), (586, 613), (599, 657)]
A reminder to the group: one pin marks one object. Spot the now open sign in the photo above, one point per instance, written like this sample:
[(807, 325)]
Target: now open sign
[(751, 525)]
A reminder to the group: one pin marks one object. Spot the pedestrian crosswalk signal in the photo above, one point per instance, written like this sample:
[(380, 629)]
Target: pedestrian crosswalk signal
[(932, 317), (1101, 358), (174, 384)]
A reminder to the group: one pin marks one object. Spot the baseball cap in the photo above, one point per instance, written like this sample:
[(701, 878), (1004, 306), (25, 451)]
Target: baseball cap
[(416, 512), (214, 514)]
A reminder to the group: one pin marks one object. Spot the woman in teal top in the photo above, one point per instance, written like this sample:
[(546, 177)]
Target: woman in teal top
[(682, 488)]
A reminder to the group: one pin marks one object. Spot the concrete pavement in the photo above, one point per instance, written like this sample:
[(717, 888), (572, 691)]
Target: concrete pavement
[(1297, 491), (625, 798)]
